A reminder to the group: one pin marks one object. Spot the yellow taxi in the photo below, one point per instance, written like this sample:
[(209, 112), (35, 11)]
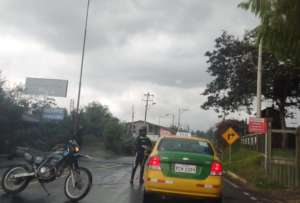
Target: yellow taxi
[(183, 166)]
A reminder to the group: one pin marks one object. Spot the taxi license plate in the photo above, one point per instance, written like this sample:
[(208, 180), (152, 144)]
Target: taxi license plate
[(184, 168)]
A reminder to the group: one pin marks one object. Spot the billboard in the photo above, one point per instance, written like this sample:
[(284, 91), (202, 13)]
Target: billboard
[(47, 87)]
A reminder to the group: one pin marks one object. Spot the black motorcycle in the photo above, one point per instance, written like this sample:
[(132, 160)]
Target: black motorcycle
[(62, 161)]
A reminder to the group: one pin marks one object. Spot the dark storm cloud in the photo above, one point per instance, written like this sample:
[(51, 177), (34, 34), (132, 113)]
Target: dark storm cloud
[(59, 24), (133, 46), (112, 31)]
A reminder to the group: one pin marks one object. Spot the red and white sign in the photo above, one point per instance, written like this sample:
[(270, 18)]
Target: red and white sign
[(164, 132), (257, 125)]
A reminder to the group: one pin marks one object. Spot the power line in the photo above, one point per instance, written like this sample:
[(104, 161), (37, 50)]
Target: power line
[(180, 111)]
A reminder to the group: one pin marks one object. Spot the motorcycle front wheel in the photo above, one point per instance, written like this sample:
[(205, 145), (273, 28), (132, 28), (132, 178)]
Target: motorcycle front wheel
[(78, 184), (13, 185)]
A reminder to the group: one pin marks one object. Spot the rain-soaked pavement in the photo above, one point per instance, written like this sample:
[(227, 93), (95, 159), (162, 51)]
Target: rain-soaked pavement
[(111, 185)]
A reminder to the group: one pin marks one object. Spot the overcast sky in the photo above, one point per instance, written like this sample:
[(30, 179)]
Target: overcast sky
[(133, 46)]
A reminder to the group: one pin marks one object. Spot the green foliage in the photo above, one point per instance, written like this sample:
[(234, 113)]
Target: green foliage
[(209, 134), (280, 26), (287, 153), (10, 112), (94, 118), (98, 121), (248, 164), (233, 65), (116, 139)]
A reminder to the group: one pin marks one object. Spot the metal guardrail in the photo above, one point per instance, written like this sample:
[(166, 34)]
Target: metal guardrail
[(287, 131)]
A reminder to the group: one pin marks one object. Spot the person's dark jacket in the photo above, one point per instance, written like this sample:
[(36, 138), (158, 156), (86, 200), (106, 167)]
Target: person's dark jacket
[(141, 143)]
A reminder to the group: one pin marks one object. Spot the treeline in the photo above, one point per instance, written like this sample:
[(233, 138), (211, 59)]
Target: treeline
[(96, 120), (21, 124)]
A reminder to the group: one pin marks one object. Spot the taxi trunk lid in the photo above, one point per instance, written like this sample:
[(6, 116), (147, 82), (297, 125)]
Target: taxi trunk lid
[(185, 164)]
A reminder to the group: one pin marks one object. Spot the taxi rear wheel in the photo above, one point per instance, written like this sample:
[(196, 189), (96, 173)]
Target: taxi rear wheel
[(219, 200), (148, 197)]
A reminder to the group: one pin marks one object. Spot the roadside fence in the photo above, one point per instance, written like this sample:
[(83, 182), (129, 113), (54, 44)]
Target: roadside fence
[(283, 170)]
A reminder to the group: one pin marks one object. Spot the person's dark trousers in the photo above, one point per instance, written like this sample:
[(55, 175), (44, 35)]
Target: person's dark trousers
[(142, 169), (139, 161)]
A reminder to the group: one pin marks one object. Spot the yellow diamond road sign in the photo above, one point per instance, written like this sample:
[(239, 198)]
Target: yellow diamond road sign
[(230, 136)]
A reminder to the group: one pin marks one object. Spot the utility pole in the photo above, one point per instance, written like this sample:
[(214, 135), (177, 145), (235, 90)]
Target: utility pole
[(72, 112), (132, 114), (172, 122), (173, 119), (259, 76), (258, 105), (148, 98), (178, 118), (77, 118), (180, 111), (71, 106), (132, 120)]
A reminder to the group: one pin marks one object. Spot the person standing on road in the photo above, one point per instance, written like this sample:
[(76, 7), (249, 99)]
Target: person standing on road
[(142, 146)]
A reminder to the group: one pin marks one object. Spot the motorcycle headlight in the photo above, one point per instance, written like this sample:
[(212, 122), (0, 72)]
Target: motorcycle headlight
[(77, 149)]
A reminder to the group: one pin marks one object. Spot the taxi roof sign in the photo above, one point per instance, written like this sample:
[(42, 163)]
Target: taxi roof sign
[(230, 136)]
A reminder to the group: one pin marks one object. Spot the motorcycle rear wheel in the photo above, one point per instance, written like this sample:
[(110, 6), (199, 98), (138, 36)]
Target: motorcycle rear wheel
[(14, 185)]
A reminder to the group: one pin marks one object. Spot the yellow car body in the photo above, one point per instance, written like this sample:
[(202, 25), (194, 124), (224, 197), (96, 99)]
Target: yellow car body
[(157, 181)]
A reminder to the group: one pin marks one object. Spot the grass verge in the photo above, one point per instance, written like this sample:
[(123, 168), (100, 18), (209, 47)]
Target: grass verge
[(249, 165)]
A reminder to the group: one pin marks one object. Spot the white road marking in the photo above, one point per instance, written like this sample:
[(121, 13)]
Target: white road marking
[(231, 183), (108, 167), (246, 193), (253, 198), (236, 186)]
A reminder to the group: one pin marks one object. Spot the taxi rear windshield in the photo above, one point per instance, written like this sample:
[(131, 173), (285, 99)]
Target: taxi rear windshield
[(181, 145)]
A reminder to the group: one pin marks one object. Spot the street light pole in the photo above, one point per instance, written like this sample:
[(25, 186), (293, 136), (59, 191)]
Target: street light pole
[(259, 76), (81, 69)]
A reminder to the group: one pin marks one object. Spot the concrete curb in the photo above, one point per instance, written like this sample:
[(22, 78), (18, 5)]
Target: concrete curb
[(236, 177)]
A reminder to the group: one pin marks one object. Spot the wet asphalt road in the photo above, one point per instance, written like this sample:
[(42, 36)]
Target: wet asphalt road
[(111, 185)]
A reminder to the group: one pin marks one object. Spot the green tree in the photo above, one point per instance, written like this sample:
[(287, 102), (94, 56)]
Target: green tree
[(97, 120), (10, 115), (10, 111), (94, 118), (280, 26), (232, 64), (113, 134)]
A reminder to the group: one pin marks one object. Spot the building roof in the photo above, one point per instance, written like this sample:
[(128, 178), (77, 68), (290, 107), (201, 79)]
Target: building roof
[(160, 126)]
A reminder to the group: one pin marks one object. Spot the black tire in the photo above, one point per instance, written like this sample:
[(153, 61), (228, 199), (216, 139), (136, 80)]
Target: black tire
[(219, 200), (149, 197), (86, 191), (21, 187)]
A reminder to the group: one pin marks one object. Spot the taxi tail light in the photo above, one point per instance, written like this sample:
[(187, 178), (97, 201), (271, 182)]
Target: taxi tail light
[(154, 162), (216, 169)]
